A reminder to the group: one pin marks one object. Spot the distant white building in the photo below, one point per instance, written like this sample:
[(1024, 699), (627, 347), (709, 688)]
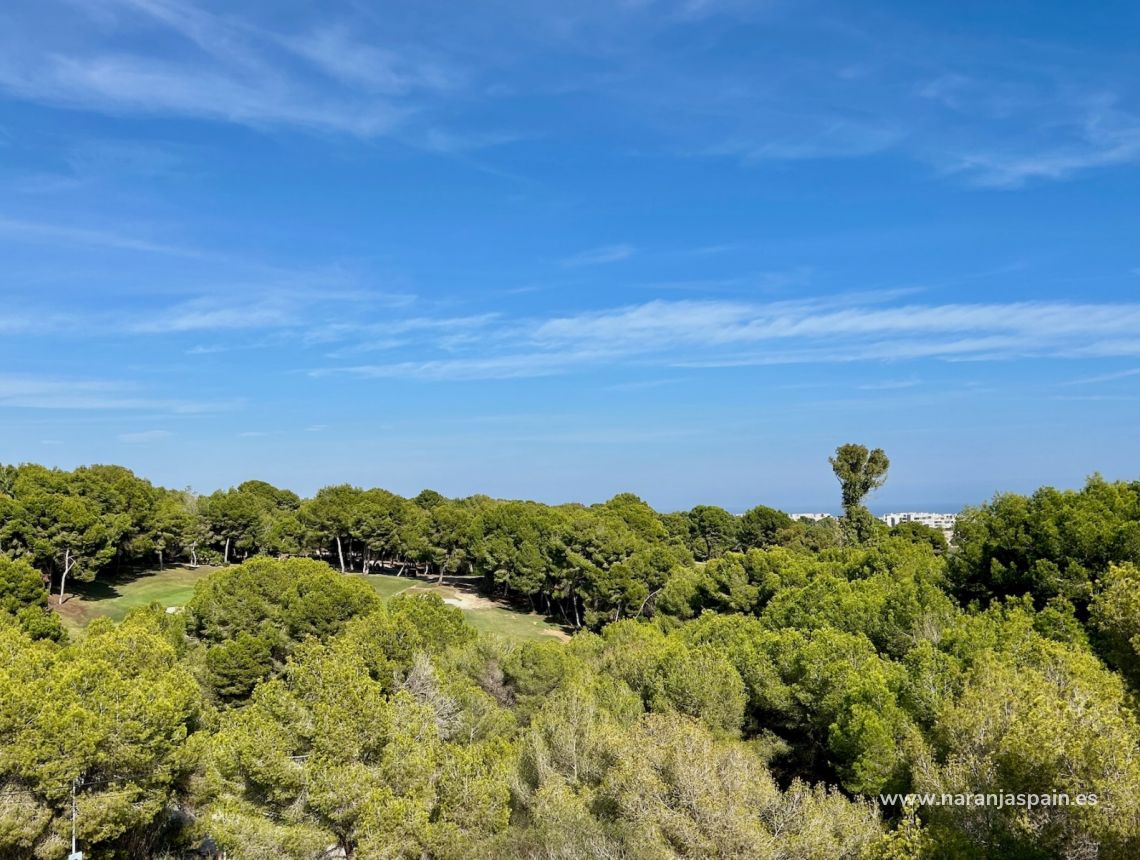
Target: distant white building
[(942, 522), (815, 518)]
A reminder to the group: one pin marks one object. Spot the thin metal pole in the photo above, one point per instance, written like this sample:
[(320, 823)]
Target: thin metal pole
[(74, 784)]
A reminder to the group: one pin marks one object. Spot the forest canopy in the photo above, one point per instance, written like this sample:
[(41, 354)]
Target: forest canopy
[(737, 686)]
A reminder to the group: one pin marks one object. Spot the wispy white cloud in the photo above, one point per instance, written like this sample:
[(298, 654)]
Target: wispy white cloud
[(209, 314), (210, 349), (895, 350), (643, 384), (599, 256), (98, 158), (232, 70), (120, 84), (1024, 122), (44, 392), (710, 250), (889, 385), (515, 366), (337, 53), (272, 317), (17, 323), (1013, 119), (711, 334), (210, 292), (1105, 377), (820, 136), (1101, 138), (54, 234), (22, 391), (370, 335), (144, 436), (714, 323), (1009, 120)]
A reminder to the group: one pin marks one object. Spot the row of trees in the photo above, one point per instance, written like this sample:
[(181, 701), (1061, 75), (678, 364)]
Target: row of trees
[(584, 565)]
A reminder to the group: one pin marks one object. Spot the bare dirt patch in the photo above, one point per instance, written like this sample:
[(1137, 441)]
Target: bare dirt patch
[(489, 614), (466, 600)]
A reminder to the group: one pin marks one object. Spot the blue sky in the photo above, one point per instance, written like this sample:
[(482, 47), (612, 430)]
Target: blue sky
[(559, 251)]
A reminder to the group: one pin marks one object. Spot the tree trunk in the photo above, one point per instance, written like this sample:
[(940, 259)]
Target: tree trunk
[(67, 563), (160, 559), (340, 553), (645, 602), (226, 554), (194, 556)]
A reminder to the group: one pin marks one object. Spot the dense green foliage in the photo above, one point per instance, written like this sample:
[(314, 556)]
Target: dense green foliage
[(23, 599), (738, 686), (584, 566), (1055, 543)]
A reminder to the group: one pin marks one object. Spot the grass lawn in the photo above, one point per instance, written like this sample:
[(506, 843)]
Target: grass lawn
[(174, 586), (388, 586), (512, 624), (170, 587)]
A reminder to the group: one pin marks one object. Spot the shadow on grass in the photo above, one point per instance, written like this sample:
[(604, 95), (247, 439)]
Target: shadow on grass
[(92, 591), (108, 587)]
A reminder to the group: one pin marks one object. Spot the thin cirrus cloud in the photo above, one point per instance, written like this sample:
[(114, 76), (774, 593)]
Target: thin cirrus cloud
[(366, 334), (226, 69), (515, 366), (1105, 377), (143, 437), (210, 316), (1020, 130), (334, 51), (145, 86), (599, 256), (339, 72), (710, 334), (310, 313), (822, 136), (1097, 142), (1011, 121), (38, 232), (59, 393)]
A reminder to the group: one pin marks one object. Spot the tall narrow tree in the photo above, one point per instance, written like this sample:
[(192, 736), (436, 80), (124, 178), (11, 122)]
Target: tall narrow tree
[(860, 471)]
